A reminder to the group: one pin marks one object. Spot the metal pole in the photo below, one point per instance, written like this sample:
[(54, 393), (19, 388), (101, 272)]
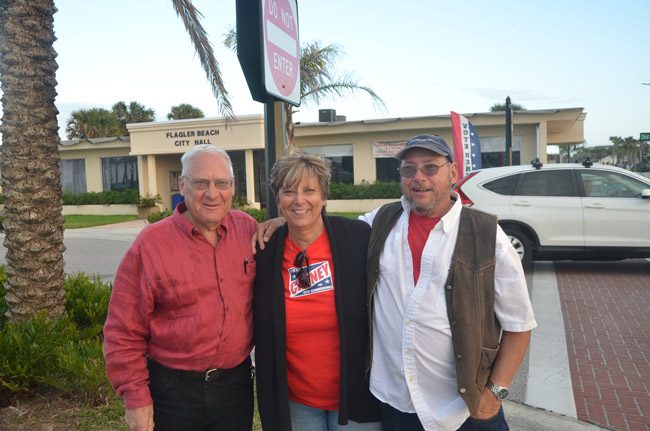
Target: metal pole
[(508, 158), (269, 156)]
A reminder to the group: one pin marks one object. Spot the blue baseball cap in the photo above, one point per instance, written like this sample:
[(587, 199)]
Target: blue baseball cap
[(429, 142)]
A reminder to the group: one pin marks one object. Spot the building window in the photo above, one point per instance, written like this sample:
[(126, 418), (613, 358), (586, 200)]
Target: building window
[(119, 173), (73, 175), (386, 164), (238, 160), (173, 180), (260, 182), (341, 159), (387, 169), (493, 151)]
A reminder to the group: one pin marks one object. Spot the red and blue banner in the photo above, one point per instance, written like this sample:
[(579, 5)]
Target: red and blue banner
[(467, 146)]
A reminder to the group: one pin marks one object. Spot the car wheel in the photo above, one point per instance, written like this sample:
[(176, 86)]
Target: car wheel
[(523, 246)]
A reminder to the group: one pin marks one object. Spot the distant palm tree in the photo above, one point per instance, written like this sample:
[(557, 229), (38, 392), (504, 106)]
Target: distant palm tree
[(134, 112), (497, 107), (30, 159), (184, 111), (617, 149), (317, 79), (630, 147), (92, 123)]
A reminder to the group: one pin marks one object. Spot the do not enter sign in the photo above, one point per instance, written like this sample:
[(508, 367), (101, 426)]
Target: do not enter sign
[(281, 50)]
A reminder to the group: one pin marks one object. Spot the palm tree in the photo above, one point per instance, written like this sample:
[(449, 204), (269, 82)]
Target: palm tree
[(33, 222), (617, 148), (317, 79), (134, 112), (93, 123), (184, 111), (630, 148), (30, 160), (497, 107)]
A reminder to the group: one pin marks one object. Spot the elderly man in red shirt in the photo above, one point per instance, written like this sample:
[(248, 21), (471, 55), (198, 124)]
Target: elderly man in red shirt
[(179, 329)]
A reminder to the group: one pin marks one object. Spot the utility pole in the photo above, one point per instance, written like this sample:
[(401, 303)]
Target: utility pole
[(508, 157)]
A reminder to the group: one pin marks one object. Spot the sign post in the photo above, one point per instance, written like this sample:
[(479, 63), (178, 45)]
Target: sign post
[(645, 136), (268, 49)]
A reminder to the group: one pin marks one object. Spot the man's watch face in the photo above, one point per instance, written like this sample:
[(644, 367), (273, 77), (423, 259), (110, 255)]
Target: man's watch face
[(502, 394)]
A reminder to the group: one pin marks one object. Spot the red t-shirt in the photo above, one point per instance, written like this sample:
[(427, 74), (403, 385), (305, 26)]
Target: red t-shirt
[(419, 229), (313, 351)]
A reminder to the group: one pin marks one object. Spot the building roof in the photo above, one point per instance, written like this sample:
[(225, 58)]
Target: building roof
[(94, 141)]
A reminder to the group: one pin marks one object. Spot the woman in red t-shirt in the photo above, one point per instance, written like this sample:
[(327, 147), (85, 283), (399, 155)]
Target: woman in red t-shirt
[(310, 312)]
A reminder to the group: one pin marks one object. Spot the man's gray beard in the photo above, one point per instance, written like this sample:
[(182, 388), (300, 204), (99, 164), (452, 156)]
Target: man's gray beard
[(421, 210)]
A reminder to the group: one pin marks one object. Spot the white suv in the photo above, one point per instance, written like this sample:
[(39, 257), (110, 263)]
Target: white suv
[(565, 211)]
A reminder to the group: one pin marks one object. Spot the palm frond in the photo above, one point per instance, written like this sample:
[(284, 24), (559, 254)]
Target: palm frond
[(230, 39), (340, 87), (191, 19)]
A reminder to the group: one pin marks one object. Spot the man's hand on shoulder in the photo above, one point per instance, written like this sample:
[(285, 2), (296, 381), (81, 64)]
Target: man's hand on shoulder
[(488, 405), (140, 419), (265, 231)]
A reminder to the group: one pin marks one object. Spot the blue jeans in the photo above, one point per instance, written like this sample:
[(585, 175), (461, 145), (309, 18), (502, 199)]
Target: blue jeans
[(496, 423), (395, 420), (305, 418)]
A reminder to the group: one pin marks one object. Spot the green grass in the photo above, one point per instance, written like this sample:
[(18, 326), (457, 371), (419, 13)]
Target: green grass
[(75, 221), (109, 416)]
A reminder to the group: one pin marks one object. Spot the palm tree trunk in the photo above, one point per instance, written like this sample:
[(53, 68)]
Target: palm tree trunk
[(30, 160), (289, 129)]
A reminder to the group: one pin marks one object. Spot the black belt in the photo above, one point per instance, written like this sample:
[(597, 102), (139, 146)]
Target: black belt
[(213, 374)]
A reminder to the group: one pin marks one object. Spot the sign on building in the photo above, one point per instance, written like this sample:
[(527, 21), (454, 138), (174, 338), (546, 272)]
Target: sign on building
[(382, 150)]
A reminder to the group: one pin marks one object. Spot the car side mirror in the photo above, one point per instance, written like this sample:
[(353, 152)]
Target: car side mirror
[(645, 194)]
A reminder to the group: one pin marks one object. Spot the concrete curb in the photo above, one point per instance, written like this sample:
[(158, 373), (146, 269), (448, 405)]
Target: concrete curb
[(521, 417)]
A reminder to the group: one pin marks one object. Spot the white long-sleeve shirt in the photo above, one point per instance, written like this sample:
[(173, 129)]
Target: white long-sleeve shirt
[(413, 367)]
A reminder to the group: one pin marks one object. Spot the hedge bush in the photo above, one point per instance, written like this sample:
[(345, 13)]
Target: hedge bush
[(128, 196), (157, 216), (86, 301), (377, 190), (64, 353), (28, 351)]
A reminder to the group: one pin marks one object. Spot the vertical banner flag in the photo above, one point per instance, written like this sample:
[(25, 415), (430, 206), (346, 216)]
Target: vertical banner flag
[(467, 147)]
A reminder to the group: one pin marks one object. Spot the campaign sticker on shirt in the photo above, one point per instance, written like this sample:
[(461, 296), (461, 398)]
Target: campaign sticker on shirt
[(320, 278)]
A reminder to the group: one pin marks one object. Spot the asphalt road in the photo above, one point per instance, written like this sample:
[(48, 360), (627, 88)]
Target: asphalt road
[(96, 250)]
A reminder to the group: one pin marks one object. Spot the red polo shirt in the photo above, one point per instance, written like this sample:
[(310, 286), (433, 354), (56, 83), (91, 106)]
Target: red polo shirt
[(181, 301)]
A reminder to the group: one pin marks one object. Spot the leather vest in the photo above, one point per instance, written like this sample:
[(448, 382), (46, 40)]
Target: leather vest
[(469, 294)]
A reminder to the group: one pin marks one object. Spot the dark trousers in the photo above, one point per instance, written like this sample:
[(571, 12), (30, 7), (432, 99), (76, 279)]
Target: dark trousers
[(395, 420), (182, 403)]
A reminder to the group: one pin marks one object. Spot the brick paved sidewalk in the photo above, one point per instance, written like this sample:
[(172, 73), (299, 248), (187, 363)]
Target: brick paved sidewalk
[(607, 317)]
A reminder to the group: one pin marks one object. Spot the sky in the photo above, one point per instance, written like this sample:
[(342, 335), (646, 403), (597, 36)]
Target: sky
[(422, 57)]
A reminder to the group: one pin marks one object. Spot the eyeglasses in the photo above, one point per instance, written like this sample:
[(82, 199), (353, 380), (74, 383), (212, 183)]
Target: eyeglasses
[(429, 170), (301, 262), (203, 184)]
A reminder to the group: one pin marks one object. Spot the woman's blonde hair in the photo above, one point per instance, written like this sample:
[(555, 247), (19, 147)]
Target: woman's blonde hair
[(289, 170)]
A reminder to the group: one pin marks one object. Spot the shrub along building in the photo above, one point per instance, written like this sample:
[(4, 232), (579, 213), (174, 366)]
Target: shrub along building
[(360, 151)]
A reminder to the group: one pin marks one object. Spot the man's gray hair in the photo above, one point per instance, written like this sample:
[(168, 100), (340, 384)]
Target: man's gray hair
[(198, 150)]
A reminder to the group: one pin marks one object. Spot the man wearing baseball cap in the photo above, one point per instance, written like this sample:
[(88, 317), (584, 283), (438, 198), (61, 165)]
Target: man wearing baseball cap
[(451, 316)]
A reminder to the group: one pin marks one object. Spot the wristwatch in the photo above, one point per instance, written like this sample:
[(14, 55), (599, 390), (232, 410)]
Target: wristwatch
[(501, 392)]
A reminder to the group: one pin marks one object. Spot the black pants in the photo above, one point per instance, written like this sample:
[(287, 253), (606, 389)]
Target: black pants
[(191, 404)]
